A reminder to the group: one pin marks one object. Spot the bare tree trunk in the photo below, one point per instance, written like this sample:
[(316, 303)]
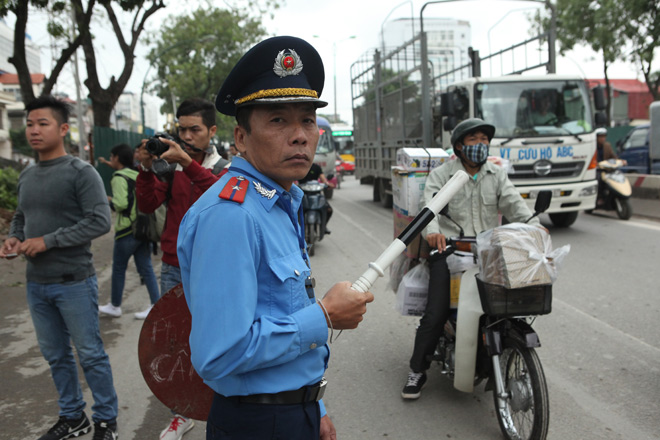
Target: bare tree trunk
[(104, 99), (19, 59)]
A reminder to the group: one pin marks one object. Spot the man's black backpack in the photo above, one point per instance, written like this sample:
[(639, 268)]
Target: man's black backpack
[(146, 227)]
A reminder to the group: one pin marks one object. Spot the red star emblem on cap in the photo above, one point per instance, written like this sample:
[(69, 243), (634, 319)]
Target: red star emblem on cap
[(288, 62)]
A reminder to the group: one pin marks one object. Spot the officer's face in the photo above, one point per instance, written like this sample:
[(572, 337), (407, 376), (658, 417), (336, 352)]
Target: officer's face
[(282, 141)]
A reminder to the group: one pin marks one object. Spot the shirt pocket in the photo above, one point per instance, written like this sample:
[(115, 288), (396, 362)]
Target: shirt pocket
[(489, 205), (288, 289)]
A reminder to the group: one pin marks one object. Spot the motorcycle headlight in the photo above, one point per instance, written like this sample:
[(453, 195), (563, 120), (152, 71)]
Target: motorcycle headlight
[(589, 191)]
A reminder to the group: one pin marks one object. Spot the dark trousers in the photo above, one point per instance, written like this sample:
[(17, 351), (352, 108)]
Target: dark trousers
[(435, 315), (232, 420)]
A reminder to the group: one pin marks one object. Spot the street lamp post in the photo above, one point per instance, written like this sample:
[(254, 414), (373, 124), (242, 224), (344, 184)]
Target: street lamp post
[(412, 21), (334, 71)]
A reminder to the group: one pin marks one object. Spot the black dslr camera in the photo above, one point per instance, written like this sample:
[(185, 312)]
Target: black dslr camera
[(156, 147)]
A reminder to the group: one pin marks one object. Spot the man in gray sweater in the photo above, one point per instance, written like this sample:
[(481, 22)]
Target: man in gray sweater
[(62, 206)]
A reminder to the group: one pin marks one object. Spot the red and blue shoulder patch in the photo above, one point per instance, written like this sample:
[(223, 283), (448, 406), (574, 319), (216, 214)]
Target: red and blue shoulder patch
[(235, 189)]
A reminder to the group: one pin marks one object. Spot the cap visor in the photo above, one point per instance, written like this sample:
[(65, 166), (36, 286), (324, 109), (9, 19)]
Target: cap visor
[(285, 100)]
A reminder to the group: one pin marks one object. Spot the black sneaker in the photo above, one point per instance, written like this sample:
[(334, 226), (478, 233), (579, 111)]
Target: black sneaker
[(414, 385), (68, 428), (105, 431)]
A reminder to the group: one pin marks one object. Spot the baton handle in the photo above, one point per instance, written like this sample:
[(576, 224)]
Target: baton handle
[(428, 213)]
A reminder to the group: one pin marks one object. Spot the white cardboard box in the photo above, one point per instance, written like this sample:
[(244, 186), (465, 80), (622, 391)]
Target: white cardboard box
[(407, 190), (420, 159)]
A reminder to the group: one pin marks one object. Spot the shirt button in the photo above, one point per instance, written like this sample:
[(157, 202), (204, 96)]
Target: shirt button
[(313, 346), (296, 272)]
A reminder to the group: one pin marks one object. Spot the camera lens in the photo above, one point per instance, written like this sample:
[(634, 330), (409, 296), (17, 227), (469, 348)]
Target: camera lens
[(156, 147)]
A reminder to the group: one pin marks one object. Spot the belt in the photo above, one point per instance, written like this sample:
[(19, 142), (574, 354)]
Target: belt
[(311, 393)]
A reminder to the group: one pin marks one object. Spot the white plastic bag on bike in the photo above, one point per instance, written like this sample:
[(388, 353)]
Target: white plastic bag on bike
[(413, 291), (518, 255)]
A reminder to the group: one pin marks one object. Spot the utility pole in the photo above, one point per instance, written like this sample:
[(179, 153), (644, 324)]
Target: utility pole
[(82, 134)]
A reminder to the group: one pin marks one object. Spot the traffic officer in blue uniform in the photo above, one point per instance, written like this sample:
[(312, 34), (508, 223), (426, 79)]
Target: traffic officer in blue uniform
[(259, 335)]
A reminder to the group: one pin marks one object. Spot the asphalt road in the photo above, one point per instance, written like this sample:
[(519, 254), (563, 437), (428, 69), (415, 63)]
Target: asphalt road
[(601, 345)]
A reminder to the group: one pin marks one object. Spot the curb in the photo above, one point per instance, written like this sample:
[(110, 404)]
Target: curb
[(644, 186)]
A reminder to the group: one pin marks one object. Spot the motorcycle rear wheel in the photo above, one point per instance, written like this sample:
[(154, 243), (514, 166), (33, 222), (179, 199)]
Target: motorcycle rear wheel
[(525, 412)]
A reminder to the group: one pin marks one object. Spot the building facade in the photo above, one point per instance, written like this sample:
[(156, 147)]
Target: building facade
[(448, 40)]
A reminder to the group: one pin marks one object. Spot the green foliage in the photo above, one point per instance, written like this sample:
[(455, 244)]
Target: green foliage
[(619, 30), (19, 141), (194, 53), (8, 188)]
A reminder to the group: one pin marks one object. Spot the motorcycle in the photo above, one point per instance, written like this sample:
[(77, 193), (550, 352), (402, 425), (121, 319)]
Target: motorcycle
[(489, 336), (614, 190), (315, 213)]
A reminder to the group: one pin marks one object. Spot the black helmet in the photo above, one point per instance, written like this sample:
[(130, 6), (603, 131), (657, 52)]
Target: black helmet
[(469, 126)]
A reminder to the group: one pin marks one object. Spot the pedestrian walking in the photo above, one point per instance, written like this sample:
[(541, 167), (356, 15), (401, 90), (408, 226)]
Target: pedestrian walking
[(126, 245)]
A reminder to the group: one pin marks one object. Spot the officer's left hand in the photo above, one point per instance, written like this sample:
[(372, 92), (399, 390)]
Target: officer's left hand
[(175, 154), (32, 246), (327, 429)]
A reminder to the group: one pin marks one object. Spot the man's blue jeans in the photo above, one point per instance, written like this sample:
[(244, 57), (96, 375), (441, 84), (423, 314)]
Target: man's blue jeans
[(124, 248), (170, 276), (65, 312)]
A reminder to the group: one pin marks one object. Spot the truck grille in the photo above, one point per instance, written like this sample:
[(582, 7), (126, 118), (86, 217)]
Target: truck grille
[(566, 169)]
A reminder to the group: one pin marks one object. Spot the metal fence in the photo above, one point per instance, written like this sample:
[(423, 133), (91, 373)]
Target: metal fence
[(104, 139)]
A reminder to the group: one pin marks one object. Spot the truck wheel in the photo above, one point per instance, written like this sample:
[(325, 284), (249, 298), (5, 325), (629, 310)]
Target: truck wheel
[(376, 193), (563, 219), (384, 197)]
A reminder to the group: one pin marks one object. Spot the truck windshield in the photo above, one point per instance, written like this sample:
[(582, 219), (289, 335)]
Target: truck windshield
[(529, 109)]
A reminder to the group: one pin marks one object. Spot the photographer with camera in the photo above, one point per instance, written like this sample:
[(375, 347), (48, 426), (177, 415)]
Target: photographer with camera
[(178, 173)]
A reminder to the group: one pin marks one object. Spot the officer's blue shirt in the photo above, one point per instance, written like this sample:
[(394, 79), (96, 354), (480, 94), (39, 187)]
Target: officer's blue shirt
[(254, 327)]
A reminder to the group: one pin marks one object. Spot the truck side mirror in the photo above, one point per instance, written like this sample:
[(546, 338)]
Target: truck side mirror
[(449, 123), (599, 98), (446, 104), (601, 119)]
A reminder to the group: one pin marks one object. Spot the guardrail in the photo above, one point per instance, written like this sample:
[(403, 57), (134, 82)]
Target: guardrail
[(644, 186)]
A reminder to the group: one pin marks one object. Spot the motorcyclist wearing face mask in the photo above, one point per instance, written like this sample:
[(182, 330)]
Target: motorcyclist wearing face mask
[(475, 207)]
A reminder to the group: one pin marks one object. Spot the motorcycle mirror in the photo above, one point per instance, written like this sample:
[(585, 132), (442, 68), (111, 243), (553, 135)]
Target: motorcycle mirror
[(542, 201)]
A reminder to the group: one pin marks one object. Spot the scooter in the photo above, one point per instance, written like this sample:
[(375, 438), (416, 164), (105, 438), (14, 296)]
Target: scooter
[(614, 190), (315, 213), (489, 336)]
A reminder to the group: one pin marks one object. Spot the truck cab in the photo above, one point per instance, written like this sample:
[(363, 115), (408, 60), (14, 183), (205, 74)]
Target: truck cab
[(544, 134)]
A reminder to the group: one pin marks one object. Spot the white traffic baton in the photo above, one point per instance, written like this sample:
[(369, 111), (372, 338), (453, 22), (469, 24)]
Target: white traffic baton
[(428, 213)]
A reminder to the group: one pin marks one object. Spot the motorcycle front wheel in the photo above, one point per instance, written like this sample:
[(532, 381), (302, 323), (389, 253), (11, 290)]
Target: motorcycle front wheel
[(311, 238), (623, 208), (524, 414)]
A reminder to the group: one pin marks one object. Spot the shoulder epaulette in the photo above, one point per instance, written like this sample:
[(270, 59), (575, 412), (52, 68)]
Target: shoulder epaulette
[(235, 189)]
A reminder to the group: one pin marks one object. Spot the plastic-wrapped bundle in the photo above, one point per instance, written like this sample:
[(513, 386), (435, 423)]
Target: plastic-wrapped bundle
[(518, 255)]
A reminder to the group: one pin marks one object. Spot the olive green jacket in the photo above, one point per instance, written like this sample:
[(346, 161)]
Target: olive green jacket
[(476, 205), (120, 201)]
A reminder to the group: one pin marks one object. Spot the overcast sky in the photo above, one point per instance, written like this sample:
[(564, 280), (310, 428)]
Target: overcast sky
[(330, 24)]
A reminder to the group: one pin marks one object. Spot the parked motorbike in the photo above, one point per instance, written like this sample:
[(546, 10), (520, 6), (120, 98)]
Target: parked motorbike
[(315, 213), (614, 190), (489, 336)]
